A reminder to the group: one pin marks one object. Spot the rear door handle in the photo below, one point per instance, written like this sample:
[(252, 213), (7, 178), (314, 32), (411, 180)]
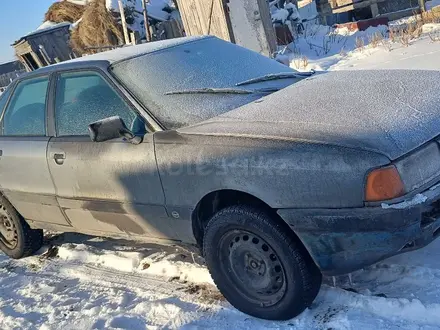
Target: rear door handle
[(59, 157)]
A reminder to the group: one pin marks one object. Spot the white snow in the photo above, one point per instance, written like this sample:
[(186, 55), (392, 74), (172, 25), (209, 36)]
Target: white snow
[(416, 200), (96, 283), (154, 7), (325, 48), (159, 264), (46, 24), (280, 15), (431, 4), (307, 9), (80, 2), (421, 54)]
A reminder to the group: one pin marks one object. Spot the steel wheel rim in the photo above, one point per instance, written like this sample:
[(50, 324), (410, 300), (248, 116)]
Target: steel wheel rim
[(8, 230), (251, 262)]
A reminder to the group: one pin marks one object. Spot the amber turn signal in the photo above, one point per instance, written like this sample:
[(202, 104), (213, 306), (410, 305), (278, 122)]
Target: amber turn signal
[(384, 183)]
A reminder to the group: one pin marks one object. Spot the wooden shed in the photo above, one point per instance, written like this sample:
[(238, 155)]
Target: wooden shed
[(244, 22), (44, 47), (368, 9)]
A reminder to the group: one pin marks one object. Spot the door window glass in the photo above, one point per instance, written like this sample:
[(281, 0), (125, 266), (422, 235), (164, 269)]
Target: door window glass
[(85, 97), (4, 98), (26, 112)]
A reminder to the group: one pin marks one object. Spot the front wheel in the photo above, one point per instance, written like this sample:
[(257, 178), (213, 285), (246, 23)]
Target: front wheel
[(17, 239), (260, 268)]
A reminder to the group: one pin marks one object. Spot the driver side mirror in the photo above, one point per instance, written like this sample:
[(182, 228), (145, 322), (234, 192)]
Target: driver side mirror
[(111, 128)]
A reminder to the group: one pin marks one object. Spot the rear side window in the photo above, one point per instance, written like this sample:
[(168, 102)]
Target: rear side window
[(85, 97), (26, 112)]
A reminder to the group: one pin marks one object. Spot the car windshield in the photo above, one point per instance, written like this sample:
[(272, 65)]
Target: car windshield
[(196, 81)]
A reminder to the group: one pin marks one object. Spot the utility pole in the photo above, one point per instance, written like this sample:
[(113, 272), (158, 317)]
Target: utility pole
[(124, 22), (422, 5), (147, 25)]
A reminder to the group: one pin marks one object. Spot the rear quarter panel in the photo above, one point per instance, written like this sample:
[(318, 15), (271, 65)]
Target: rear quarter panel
[(283, 174)]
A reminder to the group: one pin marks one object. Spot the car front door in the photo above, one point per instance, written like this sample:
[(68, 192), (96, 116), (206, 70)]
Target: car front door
[(106, 187), (24, 174)]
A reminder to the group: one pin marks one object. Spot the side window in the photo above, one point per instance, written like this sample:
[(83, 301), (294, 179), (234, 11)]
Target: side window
[(26, 112), (85, 97), (3, 99)]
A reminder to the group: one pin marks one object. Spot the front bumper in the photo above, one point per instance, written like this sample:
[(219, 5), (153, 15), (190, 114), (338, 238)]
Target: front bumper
[(343, 240)]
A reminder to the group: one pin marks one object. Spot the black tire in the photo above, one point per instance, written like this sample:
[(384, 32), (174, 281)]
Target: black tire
[(26, 241), (275, 280)]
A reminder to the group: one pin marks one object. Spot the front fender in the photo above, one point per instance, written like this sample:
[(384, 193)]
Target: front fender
[(283, 174)]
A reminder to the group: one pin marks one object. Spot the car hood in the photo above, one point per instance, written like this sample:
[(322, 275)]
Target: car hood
[(390, 111)]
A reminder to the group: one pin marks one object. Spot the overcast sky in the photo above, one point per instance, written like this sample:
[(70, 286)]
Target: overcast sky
[(17, 18)]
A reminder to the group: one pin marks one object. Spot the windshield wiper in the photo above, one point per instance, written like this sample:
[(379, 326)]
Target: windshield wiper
[(223, 91), (275, 76)]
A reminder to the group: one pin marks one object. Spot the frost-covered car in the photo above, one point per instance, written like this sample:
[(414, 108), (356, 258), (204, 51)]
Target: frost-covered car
[(279, 177)]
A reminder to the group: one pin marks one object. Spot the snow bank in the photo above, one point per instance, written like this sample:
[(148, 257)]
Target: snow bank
[(184, 271), (123, 261), (430, 27), (402, 309), (158, 264), (307, 9), (321, 46), (431, 4)]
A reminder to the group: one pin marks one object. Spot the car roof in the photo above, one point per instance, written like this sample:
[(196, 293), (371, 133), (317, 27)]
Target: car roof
[(107, 58)]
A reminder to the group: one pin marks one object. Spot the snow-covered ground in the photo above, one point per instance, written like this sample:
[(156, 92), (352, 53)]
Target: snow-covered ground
[(325, 48), (92, 283)]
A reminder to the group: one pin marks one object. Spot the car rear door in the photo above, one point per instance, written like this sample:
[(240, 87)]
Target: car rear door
[(24, 174), (106, 187)]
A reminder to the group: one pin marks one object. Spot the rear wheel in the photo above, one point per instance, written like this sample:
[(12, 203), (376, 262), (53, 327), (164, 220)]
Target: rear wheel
[(258, 265), (17, 239)]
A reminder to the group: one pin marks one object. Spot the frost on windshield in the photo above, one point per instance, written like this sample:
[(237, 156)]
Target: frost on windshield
[(208, 63)]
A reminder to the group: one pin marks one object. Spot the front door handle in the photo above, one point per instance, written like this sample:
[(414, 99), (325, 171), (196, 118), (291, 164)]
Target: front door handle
[(59, 157)]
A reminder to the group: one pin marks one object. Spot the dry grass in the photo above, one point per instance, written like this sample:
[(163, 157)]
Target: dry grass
[(300, 61), (342, 52), (386, 43), (327, 45), (429, 17), (205, 293), (435, 37), (375, 39), (304, 61), (98, 28), (405, 38), (392, 35), (64, 11), (415, 29), (360, 43)]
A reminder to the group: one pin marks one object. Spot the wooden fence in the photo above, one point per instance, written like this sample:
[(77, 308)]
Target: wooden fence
[(202, 17), (6, 78), (328, 7)]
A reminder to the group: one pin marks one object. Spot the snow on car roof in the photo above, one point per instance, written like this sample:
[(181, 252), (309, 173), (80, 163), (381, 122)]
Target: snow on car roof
[(123, 53)]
